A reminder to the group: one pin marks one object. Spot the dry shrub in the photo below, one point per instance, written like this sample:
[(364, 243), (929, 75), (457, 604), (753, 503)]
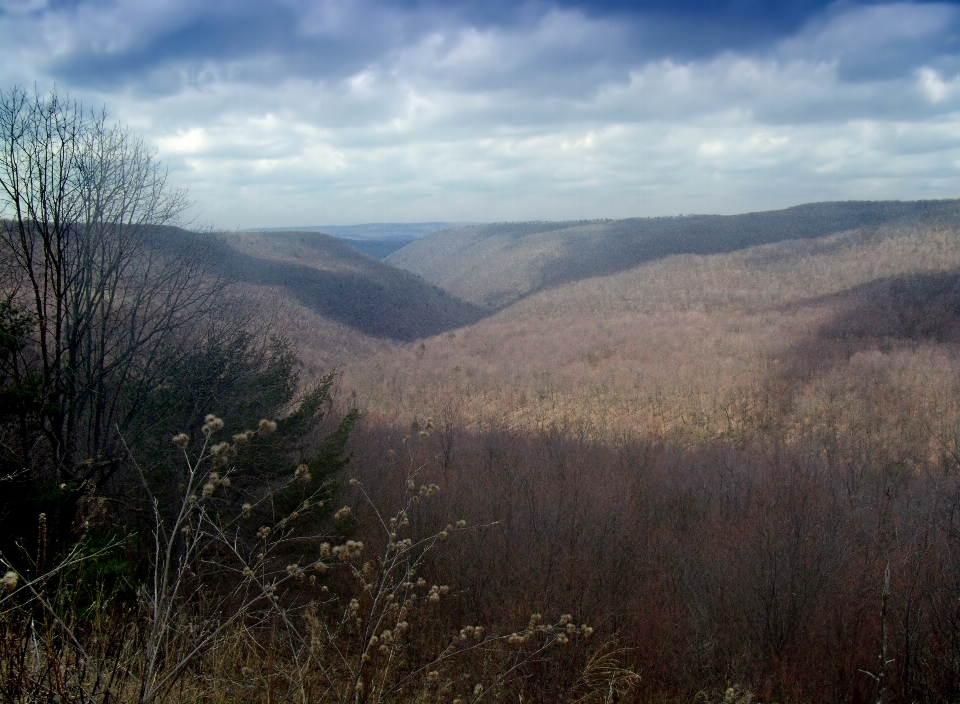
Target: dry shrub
[(255, 601)]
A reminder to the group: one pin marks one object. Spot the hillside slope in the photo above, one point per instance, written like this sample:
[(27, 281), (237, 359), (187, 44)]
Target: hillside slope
[(336, 281), (496, 265), (696, 341)]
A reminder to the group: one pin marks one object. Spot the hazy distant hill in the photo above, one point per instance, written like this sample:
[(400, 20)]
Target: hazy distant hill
[(379, 239), (378, 249), (338, 282), (497, 264), (371, 231)]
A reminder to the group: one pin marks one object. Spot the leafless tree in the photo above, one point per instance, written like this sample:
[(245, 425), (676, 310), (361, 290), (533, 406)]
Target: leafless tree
[(87, 258)]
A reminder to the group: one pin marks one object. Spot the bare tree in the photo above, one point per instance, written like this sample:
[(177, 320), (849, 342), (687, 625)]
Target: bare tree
[(86, 257)]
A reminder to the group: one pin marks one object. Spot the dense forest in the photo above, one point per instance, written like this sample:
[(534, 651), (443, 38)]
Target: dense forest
[(671, 459)]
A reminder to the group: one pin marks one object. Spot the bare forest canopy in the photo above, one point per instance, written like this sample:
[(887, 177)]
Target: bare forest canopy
[(497, 264), (337, 282)]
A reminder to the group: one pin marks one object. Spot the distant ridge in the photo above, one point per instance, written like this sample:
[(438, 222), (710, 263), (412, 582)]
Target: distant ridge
[(344, 285), (496, 264), (378, 249), (330, 279), (372, 231)]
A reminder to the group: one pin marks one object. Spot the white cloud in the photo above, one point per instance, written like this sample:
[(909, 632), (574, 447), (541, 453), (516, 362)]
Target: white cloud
[(553, 116), (936, 89)]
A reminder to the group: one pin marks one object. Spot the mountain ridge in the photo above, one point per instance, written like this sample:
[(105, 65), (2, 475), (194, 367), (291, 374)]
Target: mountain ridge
[(498, 264)]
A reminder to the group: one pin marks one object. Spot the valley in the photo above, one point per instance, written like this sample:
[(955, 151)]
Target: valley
[(713, 444)]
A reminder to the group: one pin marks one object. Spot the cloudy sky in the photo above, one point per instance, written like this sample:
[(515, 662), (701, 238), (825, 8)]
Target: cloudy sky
[(297, 112)]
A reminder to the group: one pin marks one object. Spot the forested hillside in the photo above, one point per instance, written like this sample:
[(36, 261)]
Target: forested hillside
[(721, 450), (495, 265), (339, 283)]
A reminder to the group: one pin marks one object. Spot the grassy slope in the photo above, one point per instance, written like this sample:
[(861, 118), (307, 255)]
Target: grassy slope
[(695, 341), (496, 265)]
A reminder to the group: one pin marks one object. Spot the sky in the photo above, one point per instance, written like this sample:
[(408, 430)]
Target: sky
[(279, 113)]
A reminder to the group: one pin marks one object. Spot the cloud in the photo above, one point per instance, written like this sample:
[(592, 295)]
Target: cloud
[(295, 112)]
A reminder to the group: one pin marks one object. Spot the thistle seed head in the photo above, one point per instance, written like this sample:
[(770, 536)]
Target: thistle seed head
[(211, 424), (243, 437), (9, 581), (302, 474)]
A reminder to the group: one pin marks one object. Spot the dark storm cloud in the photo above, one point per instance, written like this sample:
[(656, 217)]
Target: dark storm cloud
[(116, 43)]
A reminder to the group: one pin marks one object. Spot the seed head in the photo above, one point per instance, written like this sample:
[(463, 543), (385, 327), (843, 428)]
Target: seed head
[(243, 437), (302, 474), (181, 440), (342, 513), (211, 424), (245, 510), (263, 533), (9, 581), (267, 426)]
